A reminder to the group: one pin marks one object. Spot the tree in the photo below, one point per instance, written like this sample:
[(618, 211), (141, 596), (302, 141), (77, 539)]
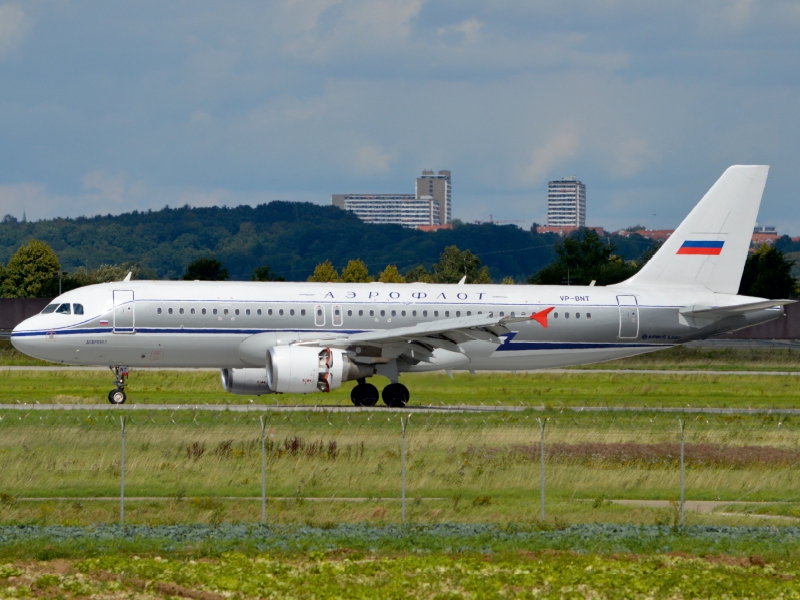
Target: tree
[(356, 272), (205, 269), (768, 274), (583, 257), (32, 272), (324, 272), (508, 281), (391, 275), (454, 264), (263, 274), (419, 274)]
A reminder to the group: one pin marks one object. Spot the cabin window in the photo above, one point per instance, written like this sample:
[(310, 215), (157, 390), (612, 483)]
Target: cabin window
[(447, 313), (469, 313), (247, 312), (458, 313), (588, 315), (424, 313), (291, 311), (225, 312), (394, 313), (158, 310), (436, 313), (203, 311), (383, 313), (180, 310), (349, 313), (577, 315), (372, 313), (192, 311), (413, 313), (169, 310), (77, 309), (302, 312), (403, 314), (502, 314), (236, 312), (513, 314), (280, 312), (269, 312), (64, 309), (258, 312), (555, 315), (49, 308), (215, 311), (361, 313), (566, 315)]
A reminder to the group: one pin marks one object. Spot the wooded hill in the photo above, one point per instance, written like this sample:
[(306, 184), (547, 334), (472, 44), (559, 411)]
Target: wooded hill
[(291, 237)]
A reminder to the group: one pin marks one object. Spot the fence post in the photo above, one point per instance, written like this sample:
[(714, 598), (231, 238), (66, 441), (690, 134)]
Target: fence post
[(122, 476), (682, 425), (263, 469), (541, 455), (403, 425)]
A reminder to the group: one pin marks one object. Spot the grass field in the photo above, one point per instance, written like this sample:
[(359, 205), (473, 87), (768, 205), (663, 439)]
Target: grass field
[(338, 574), (520, 389), (331, 468)]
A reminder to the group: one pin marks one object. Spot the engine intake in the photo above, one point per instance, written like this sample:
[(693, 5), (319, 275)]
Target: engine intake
[(245, 381), (303, 369)]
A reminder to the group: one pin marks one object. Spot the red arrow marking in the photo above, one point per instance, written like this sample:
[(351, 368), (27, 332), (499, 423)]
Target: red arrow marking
[(541, 316)]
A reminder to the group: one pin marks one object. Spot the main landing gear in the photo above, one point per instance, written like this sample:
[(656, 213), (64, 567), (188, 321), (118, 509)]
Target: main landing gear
[(395, 395), (117, 396)]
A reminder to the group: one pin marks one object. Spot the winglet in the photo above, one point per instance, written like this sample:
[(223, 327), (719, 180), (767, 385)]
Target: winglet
[(541, 316)]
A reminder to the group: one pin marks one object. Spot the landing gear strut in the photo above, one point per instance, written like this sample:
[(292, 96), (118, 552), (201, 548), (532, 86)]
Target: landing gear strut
[(364, 394), (395, 395), (117, 396)]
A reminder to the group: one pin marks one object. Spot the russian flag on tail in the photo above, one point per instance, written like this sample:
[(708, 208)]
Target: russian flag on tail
[(701, 247)]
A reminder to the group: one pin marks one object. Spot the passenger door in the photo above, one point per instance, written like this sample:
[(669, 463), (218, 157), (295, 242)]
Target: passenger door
[(124, 317), (628, 317)]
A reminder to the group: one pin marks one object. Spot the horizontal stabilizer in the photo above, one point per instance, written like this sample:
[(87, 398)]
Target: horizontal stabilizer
[(720, 312)]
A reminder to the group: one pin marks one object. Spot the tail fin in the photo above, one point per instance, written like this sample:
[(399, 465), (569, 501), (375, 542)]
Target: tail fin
[(710, 247)]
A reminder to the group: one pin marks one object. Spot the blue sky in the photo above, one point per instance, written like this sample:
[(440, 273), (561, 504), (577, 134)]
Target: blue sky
[(107, 107)]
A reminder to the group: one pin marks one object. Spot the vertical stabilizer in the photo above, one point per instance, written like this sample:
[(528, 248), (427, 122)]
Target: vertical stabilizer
[(710, 247)]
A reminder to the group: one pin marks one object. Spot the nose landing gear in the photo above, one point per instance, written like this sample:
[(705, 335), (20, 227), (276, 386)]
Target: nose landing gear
[(117, 396)]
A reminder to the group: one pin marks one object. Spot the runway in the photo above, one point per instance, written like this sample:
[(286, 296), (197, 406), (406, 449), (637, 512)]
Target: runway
[(458, 408)]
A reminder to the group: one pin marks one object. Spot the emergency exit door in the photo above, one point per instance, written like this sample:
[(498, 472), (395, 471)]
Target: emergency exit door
[(124, 317), (628, 317)]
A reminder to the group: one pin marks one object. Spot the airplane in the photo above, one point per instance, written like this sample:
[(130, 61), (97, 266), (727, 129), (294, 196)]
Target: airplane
[(284, 337)]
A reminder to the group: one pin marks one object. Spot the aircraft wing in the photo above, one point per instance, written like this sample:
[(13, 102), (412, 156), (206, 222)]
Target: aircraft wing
[(444, 334), (720, 312)]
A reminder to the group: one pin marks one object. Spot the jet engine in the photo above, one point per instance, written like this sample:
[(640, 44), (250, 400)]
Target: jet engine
[(245, 381), (303, 369)]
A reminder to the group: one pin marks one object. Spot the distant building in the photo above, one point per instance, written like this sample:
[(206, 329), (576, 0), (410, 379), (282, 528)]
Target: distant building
[(430, 205), (566, 203), (764, 234), (657, 235)]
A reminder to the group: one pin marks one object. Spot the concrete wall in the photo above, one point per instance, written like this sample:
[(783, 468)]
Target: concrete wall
[(15, 310)]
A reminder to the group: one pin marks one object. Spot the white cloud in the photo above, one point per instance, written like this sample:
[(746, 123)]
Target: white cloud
[(199, 116), (13, 27), (111, 187), (558, 150), (372, 160), (470, 29)]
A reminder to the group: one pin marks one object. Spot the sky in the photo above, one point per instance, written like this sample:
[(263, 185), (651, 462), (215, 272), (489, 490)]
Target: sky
[(107, 107)]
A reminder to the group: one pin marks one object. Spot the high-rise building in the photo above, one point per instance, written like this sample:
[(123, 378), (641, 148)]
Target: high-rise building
[(428, 205), (439, 187), (566, 202)]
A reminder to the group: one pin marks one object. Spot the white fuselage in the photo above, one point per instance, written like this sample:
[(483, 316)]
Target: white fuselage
[(203, 324)]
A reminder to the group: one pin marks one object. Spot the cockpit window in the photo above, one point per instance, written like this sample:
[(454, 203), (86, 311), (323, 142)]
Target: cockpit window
[(64, 309), (77, 309), (49, 308)]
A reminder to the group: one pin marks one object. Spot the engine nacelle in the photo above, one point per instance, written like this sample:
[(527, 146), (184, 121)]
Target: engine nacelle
[(303, 369), (245, 381)]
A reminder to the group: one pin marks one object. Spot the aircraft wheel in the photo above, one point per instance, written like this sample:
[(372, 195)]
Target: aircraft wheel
[(364, 394), (117, 396), (395, 395)]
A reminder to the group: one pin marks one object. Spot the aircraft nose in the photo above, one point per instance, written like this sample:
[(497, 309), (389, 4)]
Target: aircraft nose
[(18, 339)]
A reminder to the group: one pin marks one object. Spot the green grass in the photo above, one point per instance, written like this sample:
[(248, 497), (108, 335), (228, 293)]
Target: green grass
[(203, 467), (520, 389)]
